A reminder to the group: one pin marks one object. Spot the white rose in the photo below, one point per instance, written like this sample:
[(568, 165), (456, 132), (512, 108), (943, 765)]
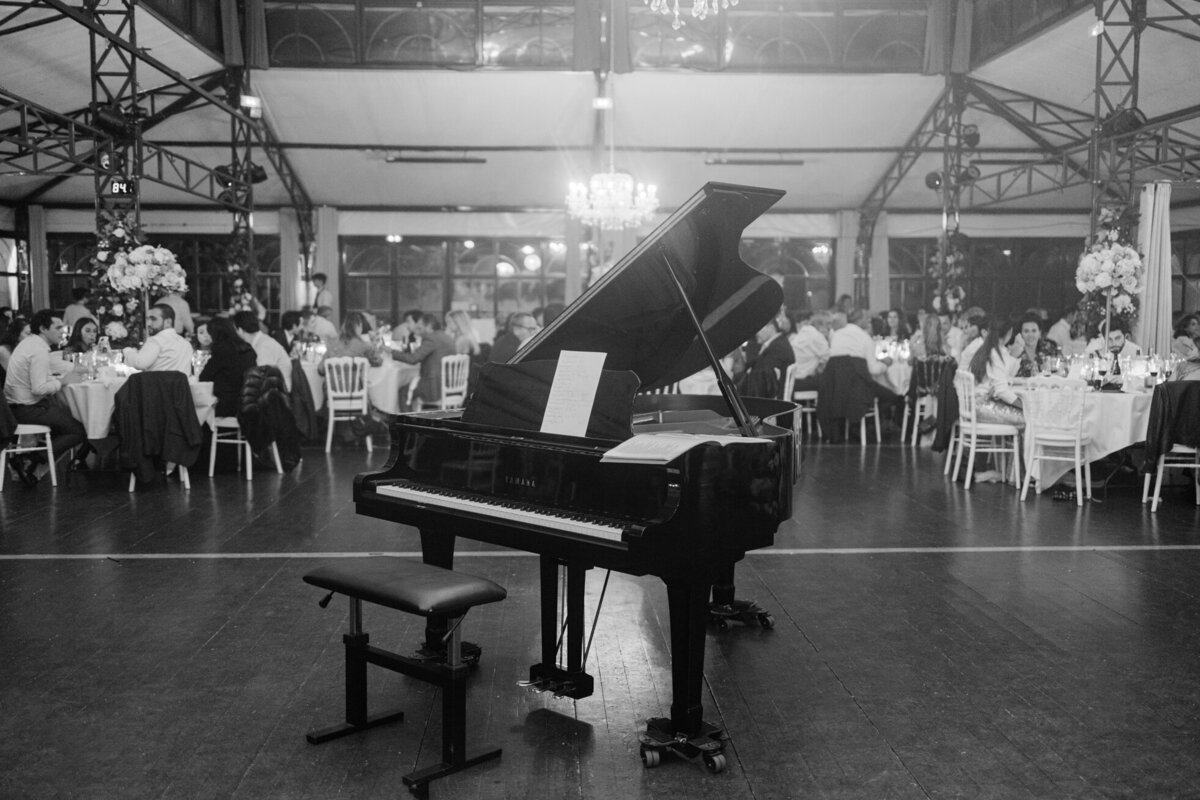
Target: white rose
[(118, 310), (1103, 280), (118, 232), (101, 255), (1122, 303)]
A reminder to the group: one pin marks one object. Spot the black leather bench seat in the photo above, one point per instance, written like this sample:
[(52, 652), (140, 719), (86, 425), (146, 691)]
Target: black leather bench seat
[(406, 585)]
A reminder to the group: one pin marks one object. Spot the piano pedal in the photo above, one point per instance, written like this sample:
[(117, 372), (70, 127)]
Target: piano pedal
[(746, 612), (536, 686), (707, 746)]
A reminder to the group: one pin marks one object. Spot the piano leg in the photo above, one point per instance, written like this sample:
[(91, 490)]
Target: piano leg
[(686, 733), (725, 606), (437, 548)]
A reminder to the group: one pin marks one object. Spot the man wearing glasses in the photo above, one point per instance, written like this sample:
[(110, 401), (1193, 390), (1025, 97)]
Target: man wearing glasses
[(521, 328)]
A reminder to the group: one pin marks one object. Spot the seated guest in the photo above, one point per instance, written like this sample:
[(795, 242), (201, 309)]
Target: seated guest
[(849, 339), (321, 325), (897, 325), (974, 324), (83, 337), (930, 340), (17, 330), (994, 368), (1031, 348), (30, 389), (290, 330), (1188, 326), (165, 349), (203, 337), (231, 357), (521, 328), (183, 313), (1060, 332), (810, 347), (552, 312), (352, 342), (268, 351), (770, 361), (460, 329), (1117, 342), (78, 309), (434, 346)]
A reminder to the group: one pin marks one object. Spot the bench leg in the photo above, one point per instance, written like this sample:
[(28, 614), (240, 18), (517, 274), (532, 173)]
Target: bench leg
[(357, 718), (454, 726)]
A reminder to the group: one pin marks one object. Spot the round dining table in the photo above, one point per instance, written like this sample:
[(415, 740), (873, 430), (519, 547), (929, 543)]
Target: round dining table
[(92, 401), (388, 385), (1112, 421)]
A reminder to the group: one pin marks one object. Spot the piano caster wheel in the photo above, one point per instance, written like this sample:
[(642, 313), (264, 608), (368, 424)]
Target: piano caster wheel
[(651, 758), (746, 612), (715, 763), (766, 620)]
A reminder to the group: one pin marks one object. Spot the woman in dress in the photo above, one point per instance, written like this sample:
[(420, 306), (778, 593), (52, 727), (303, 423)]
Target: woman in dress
[(203, 337), (897, 325), (460, 329), (226, 368), (994, 368), (83, 336), (1031, 347), (930, 340)]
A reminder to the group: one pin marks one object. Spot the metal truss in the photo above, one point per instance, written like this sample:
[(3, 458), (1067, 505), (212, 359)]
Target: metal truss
[(18, 16), (301, 201)]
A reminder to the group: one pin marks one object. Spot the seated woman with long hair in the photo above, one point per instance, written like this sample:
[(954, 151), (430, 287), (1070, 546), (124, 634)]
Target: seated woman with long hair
[(84, 336), (226, 368), (994, 368), (460, 329), (351, 342), (896, 325), (1031, 347), (930, 340)]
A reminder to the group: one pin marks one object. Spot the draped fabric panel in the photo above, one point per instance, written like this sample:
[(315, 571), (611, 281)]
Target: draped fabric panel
[(879, 278), (39, 259), (231, 34), (327, 258), (258, 52), (590, 54), (937, 24), (960, 58), (292, 291), (1153, 329)]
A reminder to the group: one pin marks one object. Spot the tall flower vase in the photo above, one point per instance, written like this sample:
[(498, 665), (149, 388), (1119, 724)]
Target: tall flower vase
[(145, 315), (1107, 313)]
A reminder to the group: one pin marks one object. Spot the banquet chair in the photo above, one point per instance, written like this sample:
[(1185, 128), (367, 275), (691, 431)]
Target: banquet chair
[(872, 413), (454, 373), (345, 393), (154, 414), (1054, 431), (927, 373), (227, 430), (806, 402), (1172, 436), (16, 448), (981, 437)]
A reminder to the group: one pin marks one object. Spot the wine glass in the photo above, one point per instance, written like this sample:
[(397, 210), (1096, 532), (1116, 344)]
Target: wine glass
[(1101, 371), (1168, 367)]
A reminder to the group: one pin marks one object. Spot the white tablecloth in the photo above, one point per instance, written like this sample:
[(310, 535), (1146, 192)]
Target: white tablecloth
[(897, 377), (1112, 421), (387, 385), (92, 402)]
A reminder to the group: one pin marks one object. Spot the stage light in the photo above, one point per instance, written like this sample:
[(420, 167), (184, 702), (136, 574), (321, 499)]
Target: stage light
[(934, 180), (970, 136)]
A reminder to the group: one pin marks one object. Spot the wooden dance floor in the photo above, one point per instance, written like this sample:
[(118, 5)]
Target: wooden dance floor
[(929, 643)]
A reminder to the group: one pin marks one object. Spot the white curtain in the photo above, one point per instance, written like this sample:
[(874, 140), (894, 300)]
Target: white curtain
[(1153, 329)]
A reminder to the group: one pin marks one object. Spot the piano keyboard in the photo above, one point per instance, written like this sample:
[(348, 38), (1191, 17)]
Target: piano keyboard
[(509, 511)]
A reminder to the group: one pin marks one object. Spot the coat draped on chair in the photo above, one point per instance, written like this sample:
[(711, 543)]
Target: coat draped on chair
[(155, 418)]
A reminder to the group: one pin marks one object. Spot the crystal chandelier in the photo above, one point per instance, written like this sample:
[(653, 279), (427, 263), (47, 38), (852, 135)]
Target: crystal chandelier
[(700, 8), (612, 201)]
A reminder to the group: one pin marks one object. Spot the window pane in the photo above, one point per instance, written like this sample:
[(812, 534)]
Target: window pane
[(425, 294), (476, 297), (366, 257), (421, 258), (471, 260), (398, 35), (516, 36), (368, 294)]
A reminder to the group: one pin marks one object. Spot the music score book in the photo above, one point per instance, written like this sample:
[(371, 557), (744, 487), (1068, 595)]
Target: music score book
[(661, 448), (573, 392)]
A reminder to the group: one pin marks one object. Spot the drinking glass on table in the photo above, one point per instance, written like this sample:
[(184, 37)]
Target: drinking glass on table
[(1101, 371)]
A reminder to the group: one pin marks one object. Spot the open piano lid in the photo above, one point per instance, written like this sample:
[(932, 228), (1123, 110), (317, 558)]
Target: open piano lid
[(634, 312)]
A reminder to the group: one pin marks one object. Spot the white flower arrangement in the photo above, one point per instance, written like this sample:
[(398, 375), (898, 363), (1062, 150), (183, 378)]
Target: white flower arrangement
[(145, 268), (115, 330), (1110, 269)]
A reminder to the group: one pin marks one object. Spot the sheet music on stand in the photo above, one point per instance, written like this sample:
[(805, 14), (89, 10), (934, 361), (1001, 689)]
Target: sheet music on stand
[(662, 448)]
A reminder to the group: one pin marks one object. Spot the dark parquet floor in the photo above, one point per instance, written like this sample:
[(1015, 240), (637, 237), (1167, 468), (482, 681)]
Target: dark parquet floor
[(930, 643)]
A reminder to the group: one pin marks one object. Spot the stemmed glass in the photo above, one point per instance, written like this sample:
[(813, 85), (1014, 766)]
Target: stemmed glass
[(1101, 371), (1168, 367)]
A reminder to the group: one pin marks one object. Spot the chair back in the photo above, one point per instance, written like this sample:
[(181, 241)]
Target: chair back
[(927, 373), (1054, 410), (455, 370), (1056, 383), (964, 388), (789, 380), (346, 383)]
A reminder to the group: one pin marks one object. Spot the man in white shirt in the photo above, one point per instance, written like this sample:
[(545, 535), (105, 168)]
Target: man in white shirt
[(849, 339), (1118, 342), (267, 351), (1060, 332), (320, 324), (976, 323), (811, 348), (323, 298), (29, 388), (165, 349)]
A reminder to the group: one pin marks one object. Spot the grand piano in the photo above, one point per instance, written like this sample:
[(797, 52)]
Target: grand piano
[(670, 307)]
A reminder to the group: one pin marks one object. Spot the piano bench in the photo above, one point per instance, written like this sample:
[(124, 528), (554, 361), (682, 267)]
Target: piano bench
[(424, 590)]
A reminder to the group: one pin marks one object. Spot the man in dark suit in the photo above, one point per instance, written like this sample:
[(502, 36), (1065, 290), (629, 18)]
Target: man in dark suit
[(434, 345), (767, 367), (289, 328)]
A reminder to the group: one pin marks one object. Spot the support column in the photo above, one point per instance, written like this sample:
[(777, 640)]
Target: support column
[(327, 256), (291, 269), (879, 267), (844, 254)]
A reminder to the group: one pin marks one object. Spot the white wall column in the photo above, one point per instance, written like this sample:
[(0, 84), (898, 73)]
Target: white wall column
[(291, 276), (847, 242), (327, 257), (879, 275)]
